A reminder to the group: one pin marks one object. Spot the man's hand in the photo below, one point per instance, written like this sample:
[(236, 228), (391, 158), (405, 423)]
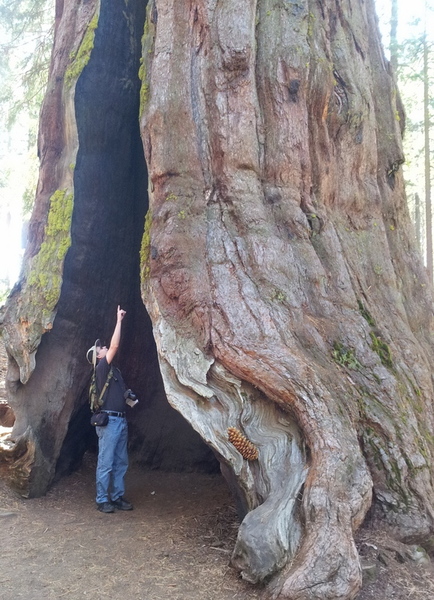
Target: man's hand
[(121, 313)]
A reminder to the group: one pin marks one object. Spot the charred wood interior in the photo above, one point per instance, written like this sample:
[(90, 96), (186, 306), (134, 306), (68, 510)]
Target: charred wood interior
[(103, 263), (102, 270)]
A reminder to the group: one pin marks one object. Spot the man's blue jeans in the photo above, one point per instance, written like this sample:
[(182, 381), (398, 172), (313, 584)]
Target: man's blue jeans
[(112, 459)]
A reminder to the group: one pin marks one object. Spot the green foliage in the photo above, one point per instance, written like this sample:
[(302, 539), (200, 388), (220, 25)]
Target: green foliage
[(4, 176), (378, 270), (378, 345), (29, 193), (345, 356), (26, 34), (4, 291), (278, 295), (26, 39)]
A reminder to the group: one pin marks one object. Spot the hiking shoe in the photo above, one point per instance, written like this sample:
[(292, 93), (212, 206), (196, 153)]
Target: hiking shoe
[(106, 507), (122, 504)]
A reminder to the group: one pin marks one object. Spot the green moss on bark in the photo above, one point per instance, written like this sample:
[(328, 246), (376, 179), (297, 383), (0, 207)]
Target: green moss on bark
[(45, 276), (383, 350), (345, 356), (80, 58), (147, 52), (366, 314), (145, 249)]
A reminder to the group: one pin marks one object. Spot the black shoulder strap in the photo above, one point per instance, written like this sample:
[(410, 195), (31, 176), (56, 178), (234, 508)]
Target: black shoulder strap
[(104, 389)]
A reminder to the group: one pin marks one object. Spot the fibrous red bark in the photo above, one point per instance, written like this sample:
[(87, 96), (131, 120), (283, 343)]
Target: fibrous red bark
[(281, 275), (278, 265)]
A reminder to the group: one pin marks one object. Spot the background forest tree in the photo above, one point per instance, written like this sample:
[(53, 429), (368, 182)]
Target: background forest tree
[(278, 267), (415, 73), (26, 36), (410, 44)]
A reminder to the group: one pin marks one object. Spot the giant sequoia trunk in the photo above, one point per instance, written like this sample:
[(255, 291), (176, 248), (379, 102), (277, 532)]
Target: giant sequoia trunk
[(83, 259), (278, 266)]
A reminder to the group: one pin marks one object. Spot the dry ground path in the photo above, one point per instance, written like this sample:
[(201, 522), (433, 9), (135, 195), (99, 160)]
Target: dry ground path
[(175, 545)]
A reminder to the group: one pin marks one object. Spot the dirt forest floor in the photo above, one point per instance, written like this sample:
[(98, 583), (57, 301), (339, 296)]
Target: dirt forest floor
[(175, 544)]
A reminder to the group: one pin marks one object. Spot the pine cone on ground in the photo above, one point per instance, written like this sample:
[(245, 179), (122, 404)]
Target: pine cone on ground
[(242, 444)]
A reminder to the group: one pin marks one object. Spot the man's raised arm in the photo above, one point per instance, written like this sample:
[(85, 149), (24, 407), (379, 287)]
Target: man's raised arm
[(116, 337)]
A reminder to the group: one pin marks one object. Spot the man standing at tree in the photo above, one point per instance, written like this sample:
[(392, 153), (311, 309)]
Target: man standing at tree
[(113, 437)]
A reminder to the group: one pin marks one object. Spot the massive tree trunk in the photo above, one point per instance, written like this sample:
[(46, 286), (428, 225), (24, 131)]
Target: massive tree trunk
[(281, 277), (278, 265), (83, 259)]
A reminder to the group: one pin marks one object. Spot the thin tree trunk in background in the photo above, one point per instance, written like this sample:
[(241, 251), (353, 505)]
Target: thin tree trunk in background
[(426, 119), (393, 47), (417, 220)]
